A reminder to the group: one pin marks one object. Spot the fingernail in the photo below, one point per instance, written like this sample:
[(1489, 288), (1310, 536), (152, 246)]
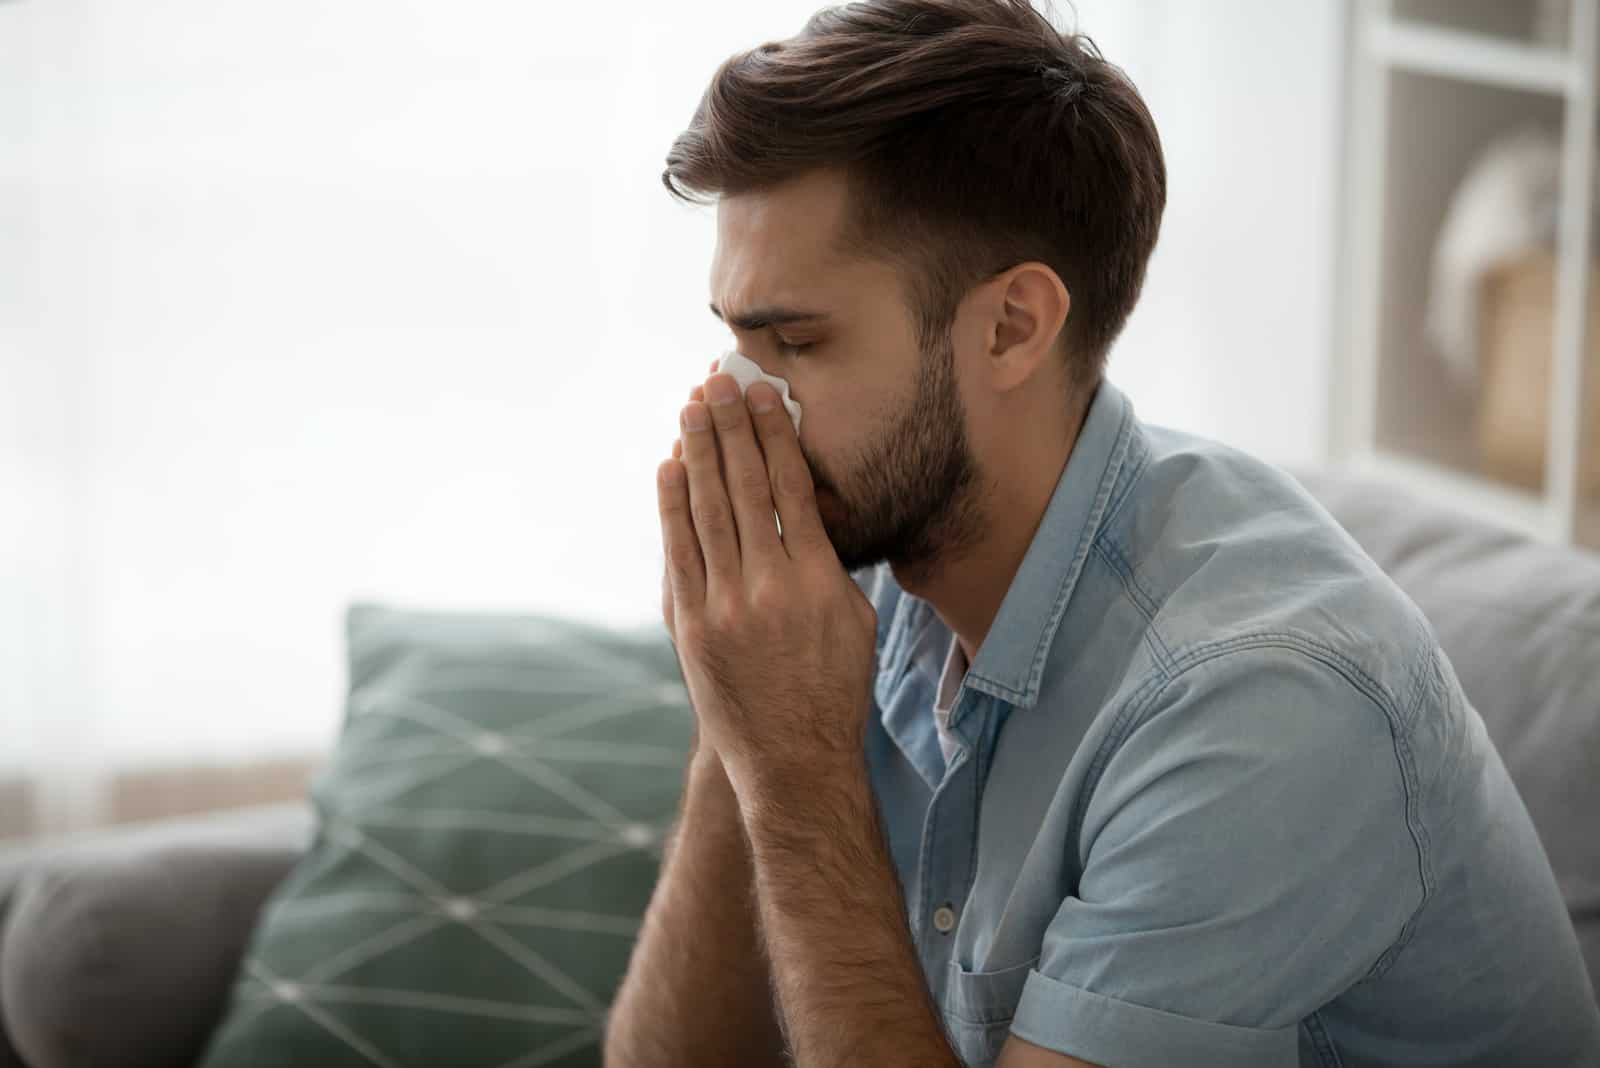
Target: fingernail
[(695, 417), (722, 391)]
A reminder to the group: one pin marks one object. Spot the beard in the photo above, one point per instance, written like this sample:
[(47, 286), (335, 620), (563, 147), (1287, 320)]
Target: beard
[(912, 496)]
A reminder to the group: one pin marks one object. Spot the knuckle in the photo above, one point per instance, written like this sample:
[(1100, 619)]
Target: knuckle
[(751, 481), (765, 599), (724, 612), (794, 482), (681, 562), (710, 515)]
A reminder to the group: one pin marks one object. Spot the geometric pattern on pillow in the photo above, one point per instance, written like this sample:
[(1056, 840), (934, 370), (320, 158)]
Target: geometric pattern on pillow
[(490, 830)]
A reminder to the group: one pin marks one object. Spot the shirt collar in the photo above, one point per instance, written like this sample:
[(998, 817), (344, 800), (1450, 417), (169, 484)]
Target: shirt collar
[(1010, 662)]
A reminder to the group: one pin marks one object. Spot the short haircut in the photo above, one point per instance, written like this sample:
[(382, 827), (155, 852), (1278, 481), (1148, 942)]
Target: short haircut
[(972, 136)]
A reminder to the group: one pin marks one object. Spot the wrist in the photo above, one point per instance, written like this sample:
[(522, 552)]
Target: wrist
[(804, 801), (708, 786)]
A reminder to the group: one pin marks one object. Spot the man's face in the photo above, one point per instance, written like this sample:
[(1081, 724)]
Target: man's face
[(883, 429)]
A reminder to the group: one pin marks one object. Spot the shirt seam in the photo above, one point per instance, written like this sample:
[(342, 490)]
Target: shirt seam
[(1141, 598), (1145, 696), (1327, 1053), (1139, 459), (1419, 830)]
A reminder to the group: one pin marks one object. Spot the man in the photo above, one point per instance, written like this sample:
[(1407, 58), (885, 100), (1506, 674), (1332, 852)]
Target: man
[(1116, 751)]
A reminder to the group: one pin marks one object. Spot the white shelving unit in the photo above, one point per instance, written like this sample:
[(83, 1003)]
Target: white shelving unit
[(1429, 82)]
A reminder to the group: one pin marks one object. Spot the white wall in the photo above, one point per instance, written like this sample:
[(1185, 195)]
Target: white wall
[(326, 300), (43, 620), (1231, 338)]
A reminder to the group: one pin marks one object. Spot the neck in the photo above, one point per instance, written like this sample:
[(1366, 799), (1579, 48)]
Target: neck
[(966, 586)]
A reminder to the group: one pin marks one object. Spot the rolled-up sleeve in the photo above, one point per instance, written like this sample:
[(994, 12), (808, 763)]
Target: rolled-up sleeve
[(1246, 856)]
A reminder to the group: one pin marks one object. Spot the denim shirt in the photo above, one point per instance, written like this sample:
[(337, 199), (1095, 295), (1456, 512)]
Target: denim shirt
[(1217, 797)]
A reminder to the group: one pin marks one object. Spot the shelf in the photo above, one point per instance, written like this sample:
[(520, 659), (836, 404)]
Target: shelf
[(1432, 84), (1470, 57)]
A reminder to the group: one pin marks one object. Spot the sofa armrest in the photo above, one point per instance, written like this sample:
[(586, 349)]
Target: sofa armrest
[(142, 926)]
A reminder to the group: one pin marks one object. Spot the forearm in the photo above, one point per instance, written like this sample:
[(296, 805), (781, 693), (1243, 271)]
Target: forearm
[(850, 987), (698, 989)]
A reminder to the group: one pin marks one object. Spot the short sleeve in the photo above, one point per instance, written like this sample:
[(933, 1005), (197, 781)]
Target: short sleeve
[(1246, 857)]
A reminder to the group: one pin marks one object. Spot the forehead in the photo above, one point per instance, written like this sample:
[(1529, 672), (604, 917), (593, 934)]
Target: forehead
[(775, 246)]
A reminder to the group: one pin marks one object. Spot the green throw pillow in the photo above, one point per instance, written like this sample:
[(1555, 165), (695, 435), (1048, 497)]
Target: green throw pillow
[(490, 830)]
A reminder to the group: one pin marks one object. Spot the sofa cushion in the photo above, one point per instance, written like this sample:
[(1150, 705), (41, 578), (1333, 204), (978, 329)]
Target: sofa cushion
[(141, 926), (490, 829), (1520, 622)]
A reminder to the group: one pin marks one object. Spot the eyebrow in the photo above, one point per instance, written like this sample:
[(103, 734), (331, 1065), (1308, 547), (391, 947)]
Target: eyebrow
[(769, 315)]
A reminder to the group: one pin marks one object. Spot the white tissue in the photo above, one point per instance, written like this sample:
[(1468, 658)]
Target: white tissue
[(746, 371)]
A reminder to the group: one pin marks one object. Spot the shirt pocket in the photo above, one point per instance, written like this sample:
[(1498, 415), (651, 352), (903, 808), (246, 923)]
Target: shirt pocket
[(978, 1009)]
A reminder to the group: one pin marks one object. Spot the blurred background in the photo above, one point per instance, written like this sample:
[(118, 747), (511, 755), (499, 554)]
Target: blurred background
[(306, 303)]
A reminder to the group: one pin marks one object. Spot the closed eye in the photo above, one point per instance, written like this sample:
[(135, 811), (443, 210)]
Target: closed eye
[(794, 348)]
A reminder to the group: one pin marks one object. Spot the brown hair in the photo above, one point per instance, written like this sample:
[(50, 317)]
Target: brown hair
[(973, 136)]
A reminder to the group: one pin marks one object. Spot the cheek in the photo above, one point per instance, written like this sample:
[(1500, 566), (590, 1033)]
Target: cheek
[(808, 451), (815, 464), (832, 421), (827, 429)]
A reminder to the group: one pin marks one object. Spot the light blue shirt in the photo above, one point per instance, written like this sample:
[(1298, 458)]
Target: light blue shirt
[(1217, 797)]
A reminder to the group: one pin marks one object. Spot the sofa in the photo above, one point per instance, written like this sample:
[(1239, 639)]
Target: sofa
[(120, 946)]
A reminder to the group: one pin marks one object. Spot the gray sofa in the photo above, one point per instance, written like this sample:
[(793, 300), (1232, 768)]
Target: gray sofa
[(118, 948)]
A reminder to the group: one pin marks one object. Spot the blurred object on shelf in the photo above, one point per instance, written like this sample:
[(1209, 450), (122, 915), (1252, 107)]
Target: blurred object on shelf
[(1504, 208), (1517, 322)]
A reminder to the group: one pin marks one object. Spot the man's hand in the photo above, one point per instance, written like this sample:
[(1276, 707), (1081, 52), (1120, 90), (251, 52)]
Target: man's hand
[(777, 646), (668, 615), (775, 639)]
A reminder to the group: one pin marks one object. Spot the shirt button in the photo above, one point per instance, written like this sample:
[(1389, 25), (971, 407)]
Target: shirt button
[(944, 919)]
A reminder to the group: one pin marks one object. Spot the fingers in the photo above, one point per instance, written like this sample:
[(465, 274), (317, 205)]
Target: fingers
[(709, 508), (684, 569), (685, 573), (787, 473), (698, 393), (699, 530), (745, 473)]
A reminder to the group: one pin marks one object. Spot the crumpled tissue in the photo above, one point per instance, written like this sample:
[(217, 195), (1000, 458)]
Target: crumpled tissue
[(746, 371)]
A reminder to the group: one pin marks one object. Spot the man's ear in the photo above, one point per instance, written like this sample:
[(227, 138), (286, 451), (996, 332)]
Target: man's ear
[(1029, 310)]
